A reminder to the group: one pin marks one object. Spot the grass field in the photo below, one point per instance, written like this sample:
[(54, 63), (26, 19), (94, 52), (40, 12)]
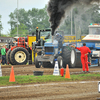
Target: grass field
[(29, 79)]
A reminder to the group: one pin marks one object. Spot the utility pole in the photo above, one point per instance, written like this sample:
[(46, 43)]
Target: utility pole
[(71, 23), (17, 17)]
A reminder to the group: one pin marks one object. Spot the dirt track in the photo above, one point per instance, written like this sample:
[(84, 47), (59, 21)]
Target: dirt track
[(49, 91), (28, 70), (52, 91)]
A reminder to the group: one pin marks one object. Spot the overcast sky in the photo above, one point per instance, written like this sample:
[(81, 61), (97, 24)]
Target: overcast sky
[(8, 6)]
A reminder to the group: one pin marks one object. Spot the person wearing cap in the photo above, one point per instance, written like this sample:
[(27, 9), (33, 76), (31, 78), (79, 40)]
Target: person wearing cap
[(3, 55), (59, 38), (84, 56)]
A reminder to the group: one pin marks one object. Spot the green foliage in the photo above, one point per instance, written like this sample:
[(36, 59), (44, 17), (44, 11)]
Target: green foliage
[(28, 21), (0, 25), (22, 31), (4, 35)]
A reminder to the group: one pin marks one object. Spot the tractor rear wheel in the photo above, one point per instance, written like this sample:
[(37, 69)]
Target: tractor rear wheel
[(98, 61), (8, 56), (73, 57), (69, 57), (19, 56)]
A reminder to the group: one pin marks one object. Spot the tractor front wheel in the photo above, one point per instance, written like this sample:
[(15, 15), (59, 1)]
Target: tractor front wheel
[(37, 63), (60, 61)]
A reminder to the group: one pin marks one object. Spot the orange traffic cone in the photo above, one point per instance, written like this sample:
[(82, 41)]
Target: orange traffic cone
[(67, 75), (12, 76)]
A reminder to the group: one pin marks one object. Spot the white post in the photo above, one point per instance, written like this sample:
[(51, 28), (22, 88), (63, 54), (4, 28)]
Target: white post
[(75, 27), (0, 71), (99, 87)]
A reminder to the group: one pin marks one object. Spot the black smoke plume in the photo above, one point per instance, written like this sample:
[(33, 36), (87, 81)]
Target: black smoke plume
[(57, 9)]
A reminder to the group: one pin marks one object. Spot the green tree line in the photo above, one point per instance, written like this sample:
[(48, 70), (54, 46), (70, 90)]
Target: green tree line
[(1, 28), (29, 20)]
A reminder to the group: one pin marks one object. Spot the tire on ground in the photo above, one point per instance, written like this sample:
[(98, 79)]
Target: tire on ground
[(98, 61), (37, 63), (69, 57), (60, 61), (19, 56), (8, 56)]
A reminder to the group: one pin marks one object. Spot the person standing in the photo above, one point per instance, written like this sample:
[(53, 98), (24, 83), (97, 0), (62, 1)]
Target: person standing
[(6, 48), (3, 55), (84, 56), (6, 53)]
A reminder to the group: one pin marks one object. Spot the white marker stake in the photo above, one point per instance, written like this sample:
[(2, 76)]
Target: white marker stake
[(56, 69), (99, 87), (0, 71)]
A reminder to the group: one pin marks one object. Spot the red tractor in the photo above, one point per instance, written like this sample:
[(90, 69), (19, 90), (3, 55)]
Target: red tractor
[(19, 53)]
